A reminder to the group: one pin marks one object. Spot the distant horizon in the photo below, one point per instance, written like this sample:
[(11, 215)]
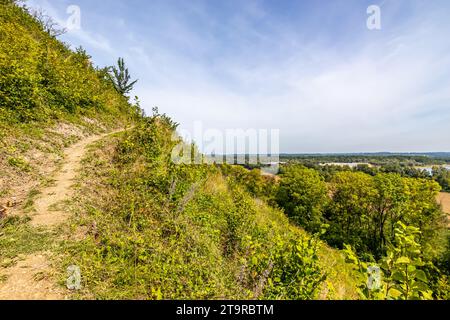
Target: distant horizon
[(369, 153), (446, 153)]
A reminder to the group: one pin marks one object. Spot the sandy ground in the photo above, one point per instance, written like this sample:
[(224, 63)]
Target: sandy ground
[(27, 281), (444, 200)]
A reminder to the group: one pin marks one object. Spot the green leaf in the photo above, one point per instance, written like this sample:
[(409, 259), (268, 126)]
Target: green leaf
[(403, 260), (421, 276), (398, 276), (411, 268), (394, 293), (427, 295), (421, 286)]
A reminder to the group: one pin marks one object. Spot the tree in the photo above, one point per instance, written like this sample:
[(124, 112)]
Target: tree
[(48, 24), (367, 169), (364, 210), (442, 176), (350, 212), (303, 195), (121, 78), (389, 206)]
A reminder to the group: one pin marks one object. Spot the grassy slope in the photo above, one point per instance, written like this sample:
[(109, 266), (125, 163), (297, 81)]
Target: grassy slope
[(139, 243), (50, 97)]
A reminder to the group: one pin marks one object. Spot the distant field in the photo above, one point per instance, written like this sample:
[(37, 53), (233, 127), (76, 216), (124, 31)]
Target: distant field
[(444, 199)]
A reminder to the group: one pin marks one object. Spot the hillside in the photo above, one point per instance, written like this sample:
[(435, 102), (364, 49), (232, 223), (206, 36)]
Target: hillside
[(152, 229), (137, 225), (50, 97)]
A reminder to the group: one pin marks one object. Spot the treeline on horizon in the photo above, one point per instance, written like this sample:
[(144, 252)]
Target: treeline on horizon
[(373, 158)]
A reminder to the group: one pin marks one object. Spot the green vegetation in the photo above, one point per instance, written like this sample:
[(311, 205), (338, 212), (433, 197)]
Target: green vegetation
[(442, 176), (263, 187), (42, 79), (17, 237), (375, 159), (402, 276), (50, 97), (303, 195), (183, 232), (426, 166), (368, 212), (366, 208), (121, 78), (19, 163)]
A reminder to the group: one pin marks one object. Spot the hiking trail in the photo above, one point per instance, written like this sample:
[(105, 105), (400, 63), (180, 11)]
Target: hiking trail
[(27, 280)]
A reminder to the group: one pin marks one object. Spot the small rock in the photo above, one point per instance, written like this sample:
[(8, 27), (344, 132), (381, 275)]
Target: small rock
[(11, 203)]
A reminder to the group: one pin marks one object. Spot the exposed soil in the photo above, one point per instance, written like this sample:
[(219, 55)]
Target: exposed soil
[(29, 278), (46, 208)]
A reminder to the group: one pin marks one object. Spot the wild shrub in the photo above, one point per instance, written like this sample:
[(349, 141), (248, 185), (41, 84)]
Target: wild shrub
[(302, 193)]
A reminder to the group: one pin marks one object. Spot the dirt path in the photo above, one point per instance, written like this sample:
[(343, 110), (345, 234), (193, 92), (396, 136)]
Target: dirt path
[(27, 280), (24, 281), (46, 206)]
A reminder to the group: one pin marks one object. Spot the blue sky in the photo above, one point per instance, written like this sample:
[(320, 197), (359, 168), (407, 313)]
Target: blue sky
[(309, 68)]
